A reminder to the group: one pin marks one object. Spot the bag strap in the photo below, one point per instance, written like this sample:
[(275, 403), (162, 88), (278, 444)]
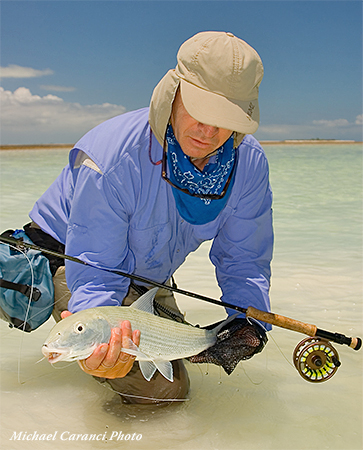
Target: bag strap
[(24, 289)]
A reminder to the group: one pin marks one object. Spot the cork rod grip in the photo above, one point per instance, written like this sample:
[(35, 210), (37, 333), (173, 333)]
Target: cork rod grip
[(281, 321)]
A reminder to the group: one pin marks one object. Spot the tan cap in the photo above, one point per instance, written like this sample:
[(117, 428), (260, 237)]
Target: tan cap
[(220, 75)]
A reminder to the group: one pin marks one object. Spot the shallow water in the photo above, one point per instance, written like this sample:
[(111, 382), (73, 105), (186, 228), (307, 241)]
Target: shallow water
[(264, 404)]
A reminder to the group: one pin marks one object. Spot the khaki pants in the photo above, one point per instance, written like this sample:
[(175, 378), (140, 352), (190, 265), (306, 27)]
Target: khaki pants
[(133, 388)]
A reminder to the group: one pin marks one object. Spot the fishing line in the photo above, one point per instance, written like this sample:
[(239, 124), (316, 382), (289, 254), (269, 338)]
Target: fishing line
[(251, 320), (31, 295), (41, 359), (32, 282), (66, 364), (107, 386), (28, 307), (255, 383), (282, 353), (54, 303), (27, 311)]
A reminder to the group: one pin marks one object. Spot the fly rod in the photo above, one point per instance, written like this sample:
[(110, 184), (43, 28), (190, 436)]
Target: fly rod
[(264, 316)]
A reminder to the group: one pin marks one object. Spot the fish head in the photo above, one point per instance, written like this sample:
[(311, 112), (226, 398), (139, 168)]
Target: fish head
[(76, 337)]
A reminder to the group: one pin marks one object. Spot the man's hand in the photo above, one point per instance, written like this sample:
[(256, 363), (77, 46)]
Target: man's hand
[(108, 361), (238, 340)]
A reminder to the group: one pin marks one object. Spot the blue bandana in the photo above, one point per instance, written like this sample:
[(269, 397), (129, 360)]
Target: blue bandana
[(211, 180)]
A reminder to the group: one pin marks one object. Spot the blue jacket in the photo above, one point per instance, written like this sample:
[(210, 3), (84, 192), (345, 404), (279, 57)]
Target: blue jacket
[(119, 213)]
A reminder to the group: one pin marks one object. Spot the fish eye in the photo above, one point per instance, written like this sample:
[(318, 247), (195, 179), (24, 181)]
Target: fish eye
[(79, 328)]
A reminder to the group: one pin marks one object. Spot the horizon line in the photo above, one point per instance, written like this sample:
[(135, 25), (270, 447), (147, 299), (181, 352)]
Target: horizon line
[(262, 142)]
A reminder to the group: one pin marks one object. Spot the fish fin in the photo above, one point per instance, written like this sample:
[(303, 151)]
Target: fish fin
[(131, 346), (130, 351), (148, 369), (134, 350), (165, 368), (146, 301)]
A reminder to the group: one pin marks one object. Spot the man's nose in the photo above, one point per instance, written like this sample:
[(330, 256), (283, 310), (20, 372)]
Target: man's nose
[(208, 130)]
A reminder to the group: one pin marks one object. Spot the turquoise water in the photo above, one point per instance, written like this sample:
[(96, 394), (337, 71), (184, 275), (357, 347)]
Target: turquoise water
[(264, 404)]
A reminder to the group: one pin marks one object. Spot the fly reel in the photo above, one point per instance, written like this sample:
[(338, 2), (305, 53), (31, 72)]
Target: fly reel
[(316, 359)]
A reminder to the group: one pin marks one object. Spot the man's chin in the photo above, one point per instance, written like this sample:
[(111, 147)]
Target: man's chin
[(196, 149)]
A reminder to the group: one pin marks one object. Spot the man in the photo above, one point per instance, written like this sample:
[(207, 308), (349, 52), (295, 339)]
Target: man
[(146, 188)]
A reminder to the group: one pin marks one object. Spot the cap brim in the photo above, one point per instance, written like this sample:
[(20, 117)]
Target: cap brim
[(219, 111)]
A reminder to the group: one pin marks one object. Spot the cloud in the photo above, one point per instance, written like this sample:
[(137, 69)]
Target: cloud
[(14, 71), (317, 129), (50, 87), (332, 123), (28, 118)]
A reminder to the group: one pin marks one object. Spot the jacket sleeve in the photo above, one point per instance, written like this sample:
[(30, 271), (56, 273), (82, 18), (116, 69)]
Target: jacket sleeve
[(242, 250), (97, 234)]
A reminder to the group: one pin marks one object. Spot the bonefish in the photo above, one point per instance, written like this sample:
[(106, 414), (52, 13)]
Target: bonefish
[(161, 340)]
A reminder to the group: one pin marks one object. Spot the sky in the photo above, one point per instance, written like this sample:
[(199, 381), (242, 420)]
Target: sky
[(68, 65)]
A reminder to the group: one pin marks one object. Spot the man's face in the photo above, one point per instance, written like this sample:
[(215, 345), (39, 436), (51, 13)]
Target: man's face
[(196, 139)]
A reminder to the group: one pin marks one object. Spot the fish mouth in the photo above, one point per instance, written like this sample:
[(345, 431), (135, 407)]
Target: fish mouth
[(54, 356)]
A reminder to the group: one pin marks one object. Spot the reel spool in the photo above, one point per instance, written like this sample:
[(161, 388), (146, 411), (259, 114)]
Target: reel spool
[(316, 359)]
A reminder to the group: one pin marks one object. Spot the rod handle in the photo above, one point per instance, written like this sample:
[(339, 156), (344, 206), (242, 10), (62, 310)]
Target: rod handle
[(281, 321)]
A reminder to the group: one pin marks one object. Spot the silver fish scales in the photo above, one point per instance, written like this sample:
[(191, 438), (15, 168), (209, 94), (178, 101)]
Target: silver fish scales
[(161, 340)]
